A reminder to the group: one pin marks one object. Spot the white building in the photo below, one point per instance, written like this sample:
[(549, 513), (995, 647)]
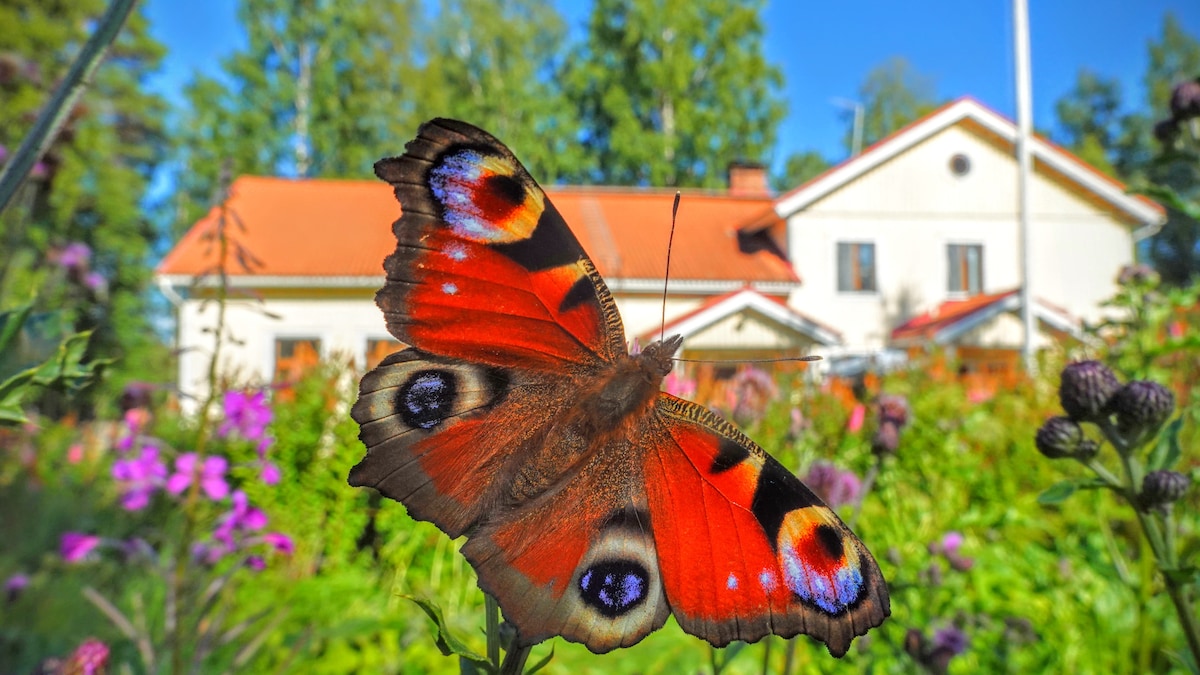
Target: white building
[(915, 240)]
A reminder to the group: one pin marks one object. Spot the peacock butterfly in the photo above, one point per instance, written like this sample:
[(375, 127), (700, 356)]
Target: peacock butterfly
[(594, 504)]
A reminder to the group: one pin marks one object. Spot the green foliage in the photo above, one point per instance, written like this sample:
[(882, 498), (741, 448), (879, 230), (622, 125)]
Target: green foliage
[(1094, 123), (893, 94), (673, 103), (798, 168), (64, 370), (89, 185)]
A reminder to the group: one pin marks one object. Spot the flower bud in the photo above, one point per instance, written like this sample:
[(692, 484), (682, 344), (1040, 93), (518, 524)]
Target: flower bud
[(1086, 390), (887, 439), (1160, 488), (1059, 437), (1142, 407), (893, 408), (1185, 100)]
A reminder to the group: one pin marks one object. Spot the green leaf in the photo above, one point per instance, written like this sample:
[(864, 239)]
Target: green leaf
[(541, 664), (1060, 491), (10, 324), (1167, 451), (446, 642)]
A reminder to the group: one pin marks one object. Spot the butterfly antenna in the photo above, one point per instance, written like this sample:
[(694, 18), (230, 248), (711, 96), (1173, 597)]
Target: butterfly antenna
[(662, 326)]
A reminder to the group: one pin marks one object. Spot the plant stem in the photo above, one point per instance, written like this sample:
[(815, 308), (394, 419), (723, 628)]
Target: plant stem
[(491, 613), (50, 121), (1160, 543)]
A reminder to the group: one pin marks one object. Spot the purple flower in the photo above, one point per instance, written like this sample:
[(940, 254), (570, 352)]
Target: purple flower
[(89, 658), (270, 473), (240, 519), (135, 420), (951, 542), (951, 640), (833, 485), (211, 477), (246, 414), (141, 477), (280, 542), (750, 391), (256, 563), (76, 546), (95, 282), (73, 256), (14, 585)]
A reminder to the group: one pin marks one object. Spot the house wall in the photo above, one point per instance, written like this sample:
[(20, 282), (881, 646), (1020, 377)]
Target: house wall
[(913, 206), (342, 324)]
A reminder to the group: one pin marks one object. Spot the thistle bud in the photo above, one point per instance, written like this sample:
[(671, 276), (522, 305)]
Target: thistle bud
[(1185, 100), (886, 439), (1086, 390), (1142, 407), (1160, 488), (1059, 437)]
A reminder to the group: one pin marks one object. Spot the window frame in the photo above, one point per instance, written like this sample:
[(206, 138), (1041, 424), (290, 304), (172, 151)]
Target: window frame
[(960, 265), (860, 283)]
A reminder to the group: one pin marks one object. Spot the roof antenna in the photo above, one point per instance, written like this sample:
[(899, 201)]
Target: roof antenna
[(662, 327)]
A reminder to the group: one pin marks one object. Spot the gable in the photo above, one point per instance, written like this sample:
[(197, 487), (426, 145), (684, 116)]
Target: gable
[(920, 182)]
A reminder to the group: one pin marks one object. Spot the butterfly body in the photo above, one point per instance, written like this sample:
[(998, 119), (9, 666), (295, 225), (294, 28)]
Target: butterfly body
[(594, 505)]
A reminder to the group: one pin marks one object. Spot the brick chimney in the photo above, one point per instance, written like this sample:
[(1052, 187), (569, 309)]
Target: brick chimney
[(748, 179)]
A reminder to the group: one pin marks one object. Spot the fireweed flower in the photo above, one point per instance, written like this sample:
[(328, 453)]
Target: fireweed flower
[(76, 546), (833, 485), (210, 476), (139, 478), (74, 256), (857, 417), (89, 658), (679, 385), (135, 420), (246, 414), (280, 542)]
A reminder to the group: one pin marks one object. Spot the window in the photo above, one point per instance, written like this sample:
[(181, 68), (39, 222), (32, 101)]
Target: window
[(378, 350), (966, 268), (294, 357), (856, 267)]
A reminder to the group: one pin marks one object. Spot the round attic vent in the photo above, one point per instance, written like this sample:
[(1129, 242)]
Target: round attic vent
[(960, 165)]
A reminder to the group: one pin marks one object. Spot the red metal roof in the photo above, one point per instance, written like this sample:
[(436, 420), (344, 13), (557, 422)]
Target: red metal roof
[(342, 228), (948, 313)]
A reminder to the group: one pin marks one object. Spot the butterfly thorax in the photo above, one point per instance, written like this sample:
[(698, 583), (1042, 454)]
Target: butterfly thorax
[(626, 391)]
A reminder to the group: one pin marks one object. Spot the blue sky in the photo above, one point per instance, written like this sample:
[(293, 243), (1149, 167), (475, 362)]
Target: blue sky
[(826, 49)]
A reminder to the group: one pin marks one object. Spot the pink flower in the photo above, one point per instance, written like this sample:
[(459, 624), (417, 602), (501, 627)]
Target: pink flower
[(211, 476), (245, 414), (14, 585), (951, 542), (89, 658), (74, 255), (280, 542), (270, 473), (140, 477), (857, 417), (75, 453), (256, 563), (136, 420), (678, 385), (76, 546)]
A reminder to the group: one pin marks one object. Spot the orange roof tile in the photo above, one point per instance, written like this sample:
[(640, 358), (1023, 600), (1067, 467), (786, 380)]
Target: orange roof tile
[(342, 228)]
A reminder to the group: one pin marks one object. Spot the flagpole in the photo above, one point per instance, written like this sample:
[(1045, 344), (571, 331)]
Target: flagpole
[(1024, 167)]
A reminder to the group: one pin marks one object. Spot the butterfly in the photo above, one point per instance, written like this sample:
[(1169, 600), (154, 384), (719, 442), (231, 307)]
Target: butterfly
[(594, 504)]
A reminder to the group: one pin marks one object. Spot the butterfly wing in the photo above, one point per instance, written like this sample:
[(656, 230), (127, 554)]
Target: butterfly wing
[(501, 308), (485, 269), (744, 548)]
